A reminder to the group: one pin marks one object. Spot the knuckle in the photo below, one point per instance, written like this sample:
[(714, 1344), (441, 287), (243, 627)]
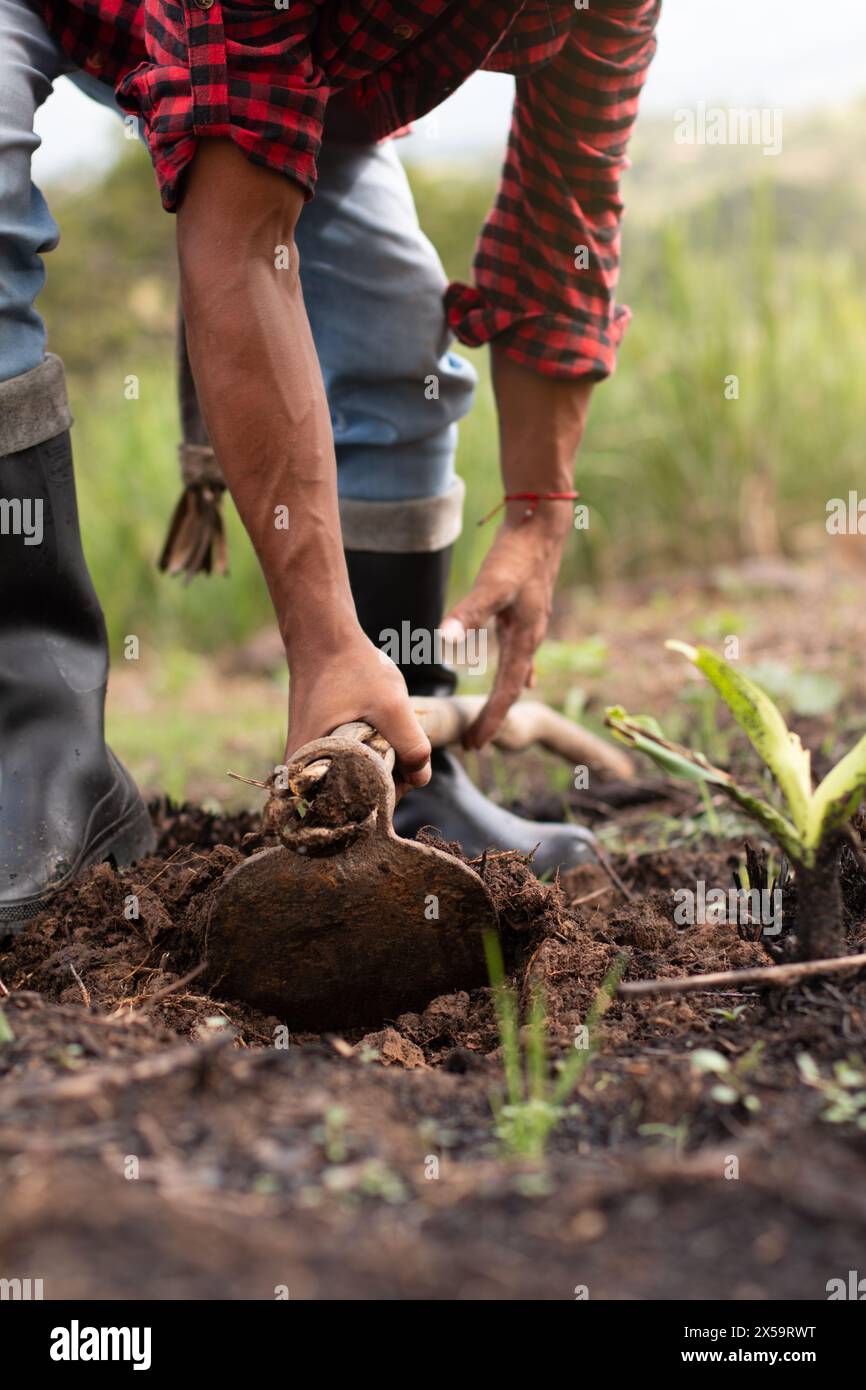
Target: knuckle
[(392, 706)]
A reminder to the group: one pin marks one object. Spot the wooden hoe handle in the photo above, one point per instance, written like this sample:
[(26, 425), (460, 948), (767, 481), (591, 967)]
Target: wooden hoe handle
[(445, 720)]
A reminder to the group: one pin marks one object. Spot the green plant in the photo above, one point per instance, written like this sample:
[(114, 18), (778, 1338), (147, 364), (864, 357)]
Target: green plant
[(814, 822), (332, 1134), (731, 1086), (844, 1091), (730, 1015), (534, 1101), (676, 1135), (6, 1034)]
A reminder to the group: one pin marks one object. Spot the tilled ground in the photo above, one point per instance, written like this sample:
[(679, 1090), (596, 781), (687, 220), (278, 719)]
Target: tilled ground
[(158, 1142)]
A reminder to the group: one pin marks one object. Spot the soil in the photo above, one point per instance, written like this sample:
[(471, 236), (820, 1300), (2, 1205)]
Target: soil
[(159, 1142)]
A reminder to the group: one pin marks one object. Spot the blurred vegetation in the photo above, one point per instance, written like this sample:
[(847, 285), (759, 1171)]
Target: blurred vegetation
[(736, 265)]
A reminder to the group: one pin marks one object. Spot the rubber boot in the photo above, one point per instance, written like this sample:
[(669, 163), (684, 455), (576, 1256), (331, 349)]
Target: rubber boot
[(65, 800), (393, 589)]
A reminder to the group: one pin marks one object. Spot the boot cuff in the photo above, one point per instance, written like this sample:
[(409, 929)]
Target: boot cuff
[(415, 526), (33, 407)]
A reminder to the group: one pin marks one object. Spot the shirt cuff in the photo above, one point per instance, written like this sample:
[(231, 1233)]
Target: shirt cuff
[(174, 119), (554, 344)]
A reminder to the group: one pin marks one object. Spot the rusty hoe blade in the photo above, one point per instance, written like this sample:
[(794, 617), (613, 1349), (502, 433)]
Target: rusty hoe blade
[(343, 924)]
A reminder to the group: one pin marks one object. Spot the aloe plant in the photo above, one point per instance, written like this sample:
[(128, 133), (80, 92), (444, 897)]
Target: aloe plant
[(814, 821)]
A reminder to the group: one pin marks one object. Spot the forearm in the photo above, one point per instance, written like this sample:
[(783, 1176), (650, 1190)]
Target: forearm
[(541, 425), (264, 402), (261, 389)]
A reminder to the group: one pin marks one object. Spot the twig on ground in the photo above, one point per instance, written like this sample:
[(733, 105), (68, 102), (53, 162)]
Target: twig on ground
[(127, 1009), (488, 856), (588, 897), (70, 1011), (612, 874), (170, 860), (777, 976), (81, 986)]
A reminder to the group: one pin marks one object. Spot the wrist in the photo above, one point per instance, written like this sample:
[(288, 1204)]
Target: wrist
[(549, 517), (313, 599), (321, 634)]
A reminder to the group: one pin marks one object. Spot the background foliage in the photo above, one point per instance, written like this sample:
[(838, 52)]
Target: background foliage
[(734, 263)]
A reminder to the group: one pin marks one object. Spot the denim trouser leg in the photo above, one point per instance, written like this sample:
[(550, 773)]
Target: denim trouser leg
[(29, 62)]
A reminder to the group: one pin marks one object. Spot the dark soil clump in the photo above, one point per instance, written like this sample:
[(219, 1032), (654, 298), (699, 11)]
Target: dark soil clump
[(269, 1157)]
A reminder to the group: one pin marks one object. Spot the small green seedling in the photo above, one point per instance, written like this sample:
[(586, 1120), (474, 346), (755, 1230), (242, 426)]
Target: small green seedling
[(6, 1034), (534, 1101), (844, 1091), (677, 1135), (332, 1134), (814, 822), (731, 1086), (730, 1015)]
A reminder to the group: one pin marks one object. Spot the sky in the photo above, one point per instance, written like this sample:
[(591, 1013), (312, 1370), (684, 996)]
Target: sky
[(795, 54)]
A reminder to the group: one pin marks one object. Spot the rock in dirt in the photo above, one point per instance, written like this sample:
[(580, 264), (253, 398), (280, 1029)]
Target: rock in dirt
[(393, 1049)]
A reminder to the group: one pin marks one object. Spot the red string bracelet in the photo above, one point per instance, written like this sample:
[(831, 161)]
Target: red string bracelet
[(533, 498)]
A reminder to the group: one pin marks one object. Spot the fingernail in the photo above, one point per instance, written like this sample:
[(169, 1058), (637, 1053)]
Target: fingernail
[(452, 630)]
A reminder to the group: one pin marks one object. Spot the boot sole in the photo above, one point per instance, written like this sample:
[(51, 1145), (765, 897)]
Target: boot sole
[(130, 838)]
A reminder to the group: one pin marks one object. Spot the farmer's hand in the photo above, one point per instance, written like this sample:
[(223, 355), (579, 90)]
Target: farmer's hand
[(331, 687), (541, 424), (515, 588)]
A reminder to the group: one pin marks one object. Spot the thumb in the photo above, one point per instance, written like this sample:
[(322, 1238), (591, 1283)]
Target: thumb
[(472, 612), (398, 723)]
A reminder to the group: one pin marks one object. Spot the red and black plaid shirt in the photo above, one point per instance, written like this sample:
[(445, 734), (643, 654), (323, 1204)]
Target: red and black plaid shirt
[(262, 73)]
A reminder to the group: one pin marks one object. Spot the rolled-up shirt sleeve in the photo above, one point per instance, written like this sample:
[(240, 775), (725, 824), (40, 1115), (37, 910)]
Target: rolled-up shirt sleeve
[(244, 71), (547, 261)]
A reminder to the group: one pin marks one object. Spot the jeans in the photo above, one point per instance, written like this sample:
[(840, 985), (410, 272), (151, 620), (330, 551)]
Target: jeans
[(372, 284)]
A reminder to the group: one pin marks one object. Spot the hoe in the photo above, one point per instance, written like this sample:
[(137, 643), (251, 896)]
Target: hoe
[(342, 923)]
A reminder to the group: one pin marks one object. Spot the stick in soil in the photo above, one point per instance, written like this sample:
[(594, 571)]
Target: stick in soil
[(127, 1009), (81, 986), (612, 874), (590, 897), (773, 976)]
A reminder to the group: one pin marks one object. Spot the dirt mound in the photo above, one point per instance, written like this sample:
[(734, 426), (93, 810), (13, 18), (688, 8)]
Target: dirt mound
[(237, 1157), (129, 942)]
